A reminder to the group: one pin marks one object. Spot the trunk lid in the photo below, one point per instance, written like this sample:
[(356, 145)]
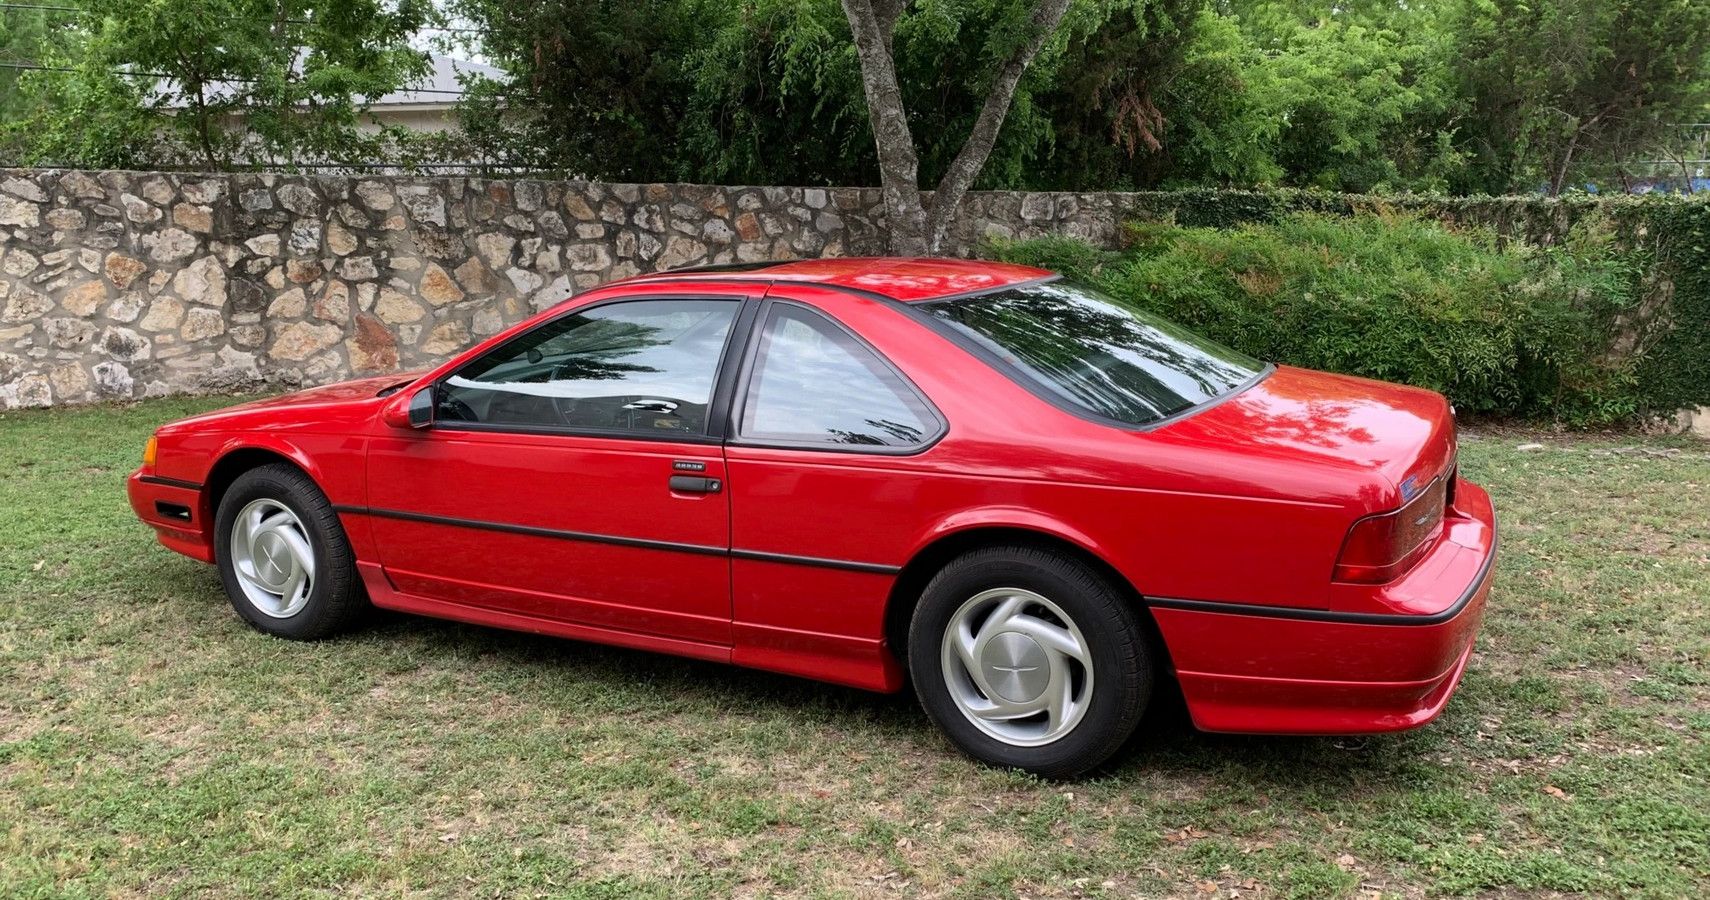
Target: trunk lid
[(1405, 434)]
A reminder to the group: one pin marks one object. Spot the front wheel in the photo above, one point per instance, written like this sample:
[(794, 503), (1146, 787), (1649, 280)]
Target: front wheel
[(1028, 658), (284, 559)]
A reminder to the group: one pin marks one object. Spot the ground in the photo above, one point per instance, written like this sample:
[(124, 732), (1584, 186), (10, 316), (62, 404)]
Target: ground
[(151, 743)]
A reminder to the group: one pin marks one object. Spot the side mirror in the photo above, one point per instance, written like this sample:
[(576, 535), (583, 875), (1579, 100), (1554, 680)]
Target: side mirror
[(411, 410)]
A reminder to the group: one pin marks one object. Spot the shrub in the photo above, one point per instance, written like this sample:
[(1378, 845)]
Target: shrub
[(1501, 327)]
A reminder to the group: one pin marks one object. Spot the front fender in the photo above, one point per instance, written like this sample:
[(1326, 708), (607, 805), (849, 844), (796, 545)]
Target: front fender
[(194, 467), (279, 445)]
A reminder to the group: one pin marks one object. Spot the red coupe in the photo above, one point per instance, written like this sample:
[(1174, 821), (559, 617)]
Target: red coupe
[(1029, 499)]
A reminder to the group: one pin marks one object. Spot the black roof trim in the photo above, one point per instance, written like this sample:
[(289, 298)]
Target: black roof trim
[(715, 268)]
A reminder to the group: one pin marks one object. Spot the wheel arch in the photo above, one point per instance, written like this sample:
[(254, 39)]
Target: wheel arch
[(236, 459), (929, 559)]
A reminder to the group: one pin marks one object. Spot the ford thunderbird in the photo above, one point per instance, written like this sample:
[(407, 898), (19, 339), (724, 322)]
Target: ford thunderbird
[(1038, 506)]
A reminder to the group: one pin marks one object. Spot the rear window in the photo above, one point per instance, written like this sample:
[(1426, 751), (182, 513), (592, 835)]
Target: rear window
[(1094, 353)]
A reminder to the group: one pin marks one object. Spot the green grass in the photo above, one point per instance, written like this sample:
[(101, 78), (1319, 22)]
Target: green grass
[(150, 743)]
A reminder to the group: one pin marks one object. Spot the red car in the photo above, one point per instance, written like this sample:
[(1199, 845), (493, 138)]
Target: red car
[(1026, 498)]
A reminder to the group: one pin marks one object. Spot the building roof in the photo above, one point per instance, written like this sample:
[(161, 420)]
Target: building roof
[(439, 87), (900, 278)]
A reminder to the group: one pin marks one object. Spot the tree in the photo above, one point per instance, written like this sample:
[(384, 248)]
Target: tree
[(915, 230), (750, 92), (1159, 94), (28, 35), (24, 36), (596, 87), (1566, 90), (216, 83), (1360, 93)]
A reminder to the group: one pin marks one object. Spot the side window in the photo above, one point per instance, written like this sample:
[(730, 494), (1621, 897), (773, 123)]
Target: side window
[(814, 383), (640, 366)]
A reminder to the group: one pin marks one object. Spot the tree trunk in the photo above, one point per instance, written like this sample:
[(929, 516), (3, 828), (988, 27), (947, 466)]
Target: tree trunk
[(899, 167), (913, 232), (1558, 178), (204, 131)]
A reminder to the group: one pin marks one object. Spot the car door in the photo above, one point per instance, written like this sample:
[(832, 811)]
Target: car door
[(574, 473)]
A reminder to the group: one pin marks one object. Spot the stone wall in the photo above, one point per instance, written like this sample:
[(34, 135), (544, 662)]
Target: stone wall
[(115, 285)]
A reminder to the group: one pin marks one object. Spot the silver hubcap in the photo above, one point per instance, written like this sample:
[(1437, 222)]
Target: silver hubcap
[(274, 561), (1017, 666)]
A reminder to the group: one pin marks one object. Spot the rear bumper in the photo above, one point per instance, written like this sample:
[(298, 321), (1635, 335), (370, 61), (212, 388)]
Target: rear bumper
[(1277, 670), (175, 511)]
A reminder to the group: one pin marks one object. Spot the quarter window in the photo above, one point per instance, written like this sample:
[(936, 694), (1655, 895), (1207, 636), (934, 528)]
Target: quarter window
[(642, 366), (815, 383)]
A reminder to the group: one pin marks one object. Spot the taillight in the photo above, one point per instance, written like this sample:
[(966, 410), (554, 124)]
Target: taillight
[(1379, 548)]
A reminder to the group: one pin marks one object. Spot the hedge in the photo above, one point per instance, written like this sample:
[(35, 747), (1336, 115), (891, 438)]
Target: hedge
[(1585, 311)]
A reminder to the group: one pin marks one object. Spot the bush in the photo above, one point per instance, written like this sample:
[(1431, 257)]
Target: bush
[(1501, 327)]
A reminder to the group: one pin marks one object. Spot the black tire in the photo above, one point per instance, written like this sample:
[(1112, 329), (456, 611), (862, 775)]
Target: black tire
[(335, 597), (1112, 631)]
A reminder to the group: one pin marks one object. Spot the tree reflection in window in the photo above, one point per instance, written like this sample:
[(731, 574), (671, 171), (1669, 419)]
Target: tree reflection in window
[(1096, 353), (815, 383), (638, 365)]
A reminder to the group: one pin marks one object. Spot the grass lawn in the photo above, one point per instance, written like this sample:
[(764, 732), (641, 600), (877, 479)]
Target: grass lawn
[(151, 743)]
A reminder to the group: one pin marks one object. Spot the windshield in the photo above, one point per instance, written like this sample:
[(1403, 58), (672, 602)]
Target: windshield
[(1096, 353)]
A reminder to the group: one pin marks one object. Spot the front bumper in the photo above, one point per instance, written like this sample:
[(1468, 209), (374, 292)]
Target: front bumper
[(1286, 671), (176, 512)]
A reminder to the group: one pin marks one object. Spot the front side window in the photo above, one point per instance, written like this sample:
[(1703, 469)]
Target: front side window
[(815, 383), (1095, 353), (643, 366)]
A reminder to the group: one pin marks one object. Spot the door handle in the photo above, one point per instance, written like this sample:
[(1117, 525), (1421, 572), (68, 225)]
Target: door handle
[(695, 484)]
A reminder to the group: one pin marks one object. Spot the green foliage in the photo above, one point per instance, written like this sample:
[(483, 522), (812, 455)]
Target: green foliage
[(90, 117), (1131, 94), (776, 98), (1675, 363), (1559, 92), (758, 92), (598, 88), (24, 35), (1365, 96), (216, 83), (769, 92), (1596, 315), (1362, 99), (1160, 93)]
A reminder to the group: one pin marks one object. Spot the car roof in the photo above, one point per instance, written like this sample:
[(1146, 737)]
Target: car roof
[(898, 277)]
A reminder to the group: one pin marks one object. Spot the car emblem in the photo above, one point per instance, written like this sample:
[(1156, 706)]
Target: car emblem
[(1013, 669)]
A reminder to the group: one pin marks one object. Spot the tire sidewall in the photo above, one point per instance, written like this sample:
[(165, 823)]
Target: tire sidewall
[(1119, 692), (268, 483)]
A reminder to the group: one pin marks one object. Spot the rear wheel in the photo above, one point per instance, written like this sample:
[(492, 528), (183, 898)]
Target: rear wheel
[(1028, 658), (286, 564)]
